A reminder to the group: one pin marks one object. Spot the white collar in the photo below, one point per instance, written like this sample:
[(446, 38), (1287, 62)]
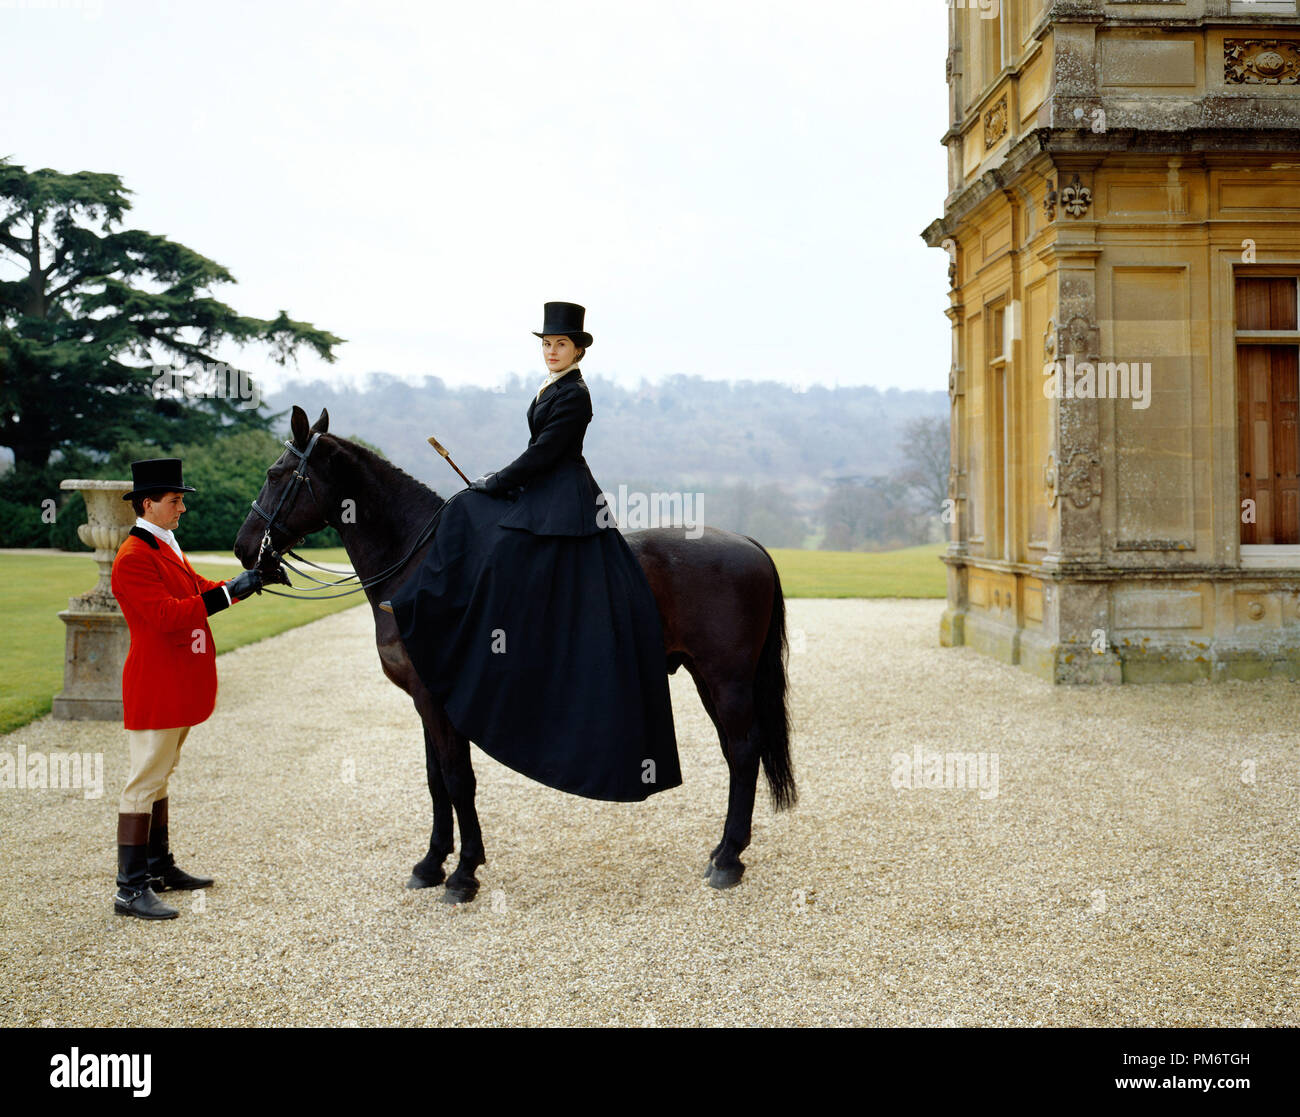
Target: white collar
[(162, 533), (552, 378)]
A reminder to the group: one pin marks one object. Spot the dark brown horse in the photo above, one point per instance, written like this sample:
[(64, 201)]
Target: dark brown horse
[(719, 599)]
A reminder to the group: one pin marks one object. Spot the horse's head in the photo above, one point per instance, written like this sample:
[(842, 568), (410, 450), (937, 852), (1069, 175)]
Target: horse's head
[(292, 502)]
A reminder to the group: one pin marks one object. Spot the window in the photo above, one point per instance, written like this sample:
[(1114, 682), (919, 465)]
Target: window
[(979, 29), (1262, 7), (995, 338), (991, 43), (1268, 410)]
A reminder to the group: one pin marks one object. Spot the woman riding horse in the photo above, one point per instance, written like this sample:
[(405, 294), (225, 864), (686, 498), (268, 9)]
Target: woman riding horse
[(531, 619)]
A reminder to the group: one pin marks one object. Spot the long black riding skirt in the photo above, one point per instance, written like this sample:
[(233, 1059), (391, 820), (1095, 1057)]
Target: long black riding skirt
[(545, 650)]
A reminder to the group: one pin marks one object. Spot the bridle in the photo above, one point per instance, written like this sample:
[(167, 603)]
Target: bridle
[(290, 491), (287, 497)]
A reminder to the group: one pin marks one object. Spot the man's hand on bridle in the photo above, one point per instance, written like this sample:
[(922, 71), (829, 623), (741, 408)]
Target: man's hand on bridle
[(277, 576), (245, 584)]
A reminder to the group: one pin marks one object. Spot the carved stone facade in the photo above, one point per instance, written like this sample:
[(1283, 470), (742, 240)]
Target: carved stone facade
[(1124, 201), (1261, 61), (995, 124), (1076, 198)]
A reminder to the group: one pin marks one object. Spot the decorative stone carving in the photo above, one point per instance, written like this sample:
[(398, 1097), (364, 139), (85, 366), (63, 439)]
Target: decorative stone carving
[(1050, 200), (950, 246), (1076, 198), (1078, 336), (1049, 481), (1261, 61), (1080, 479), (1049, 341), (995, 124)]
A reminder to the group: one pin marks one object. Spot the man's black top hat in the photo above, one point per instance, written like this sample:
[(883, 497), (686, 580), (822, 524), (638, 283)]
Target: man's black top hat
[(157, 475), (566, 319)]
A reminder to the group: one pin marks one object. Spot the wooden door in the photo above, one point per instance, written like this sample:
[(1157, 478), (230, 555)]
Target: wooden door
[(1268, 441), (1266, 304)]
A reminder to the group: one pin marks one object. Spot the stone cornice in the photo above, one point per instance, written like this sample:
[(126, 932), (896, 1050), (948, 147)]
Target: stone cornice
[(1108, 571), (1193, 141), (1078, 148), (1027, 148)]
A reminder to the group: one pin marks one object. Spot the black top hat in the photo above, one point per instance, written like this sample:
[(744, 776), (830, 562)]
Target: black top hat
[(157, 475), (566, 319)]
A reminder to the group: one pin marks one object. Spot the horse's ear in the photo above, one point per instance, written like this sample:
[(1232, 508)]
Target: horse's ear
[(323, 423), (298, 424)]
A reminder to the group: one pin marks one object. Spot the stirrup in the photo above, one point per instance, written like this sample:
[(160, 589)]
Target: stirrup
[(386, 606)]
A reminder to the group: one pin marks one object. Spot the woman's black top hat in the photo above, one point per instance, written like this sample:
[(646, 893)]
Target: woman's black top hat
[(566, 319), (157, 475)]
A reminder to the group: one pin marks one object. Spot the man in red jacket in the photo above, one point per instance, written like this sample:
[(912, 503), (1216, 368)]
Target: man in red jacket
[(169, 681)]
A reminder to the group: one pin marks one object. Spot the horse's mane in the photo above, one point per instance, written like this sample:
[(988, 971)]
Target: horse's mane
[(399, 491)]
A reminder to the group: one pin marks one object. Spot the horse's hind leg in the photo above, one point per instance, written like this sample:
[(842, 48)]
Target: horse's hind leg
[(731, 706), (428, 871), (458, 772)]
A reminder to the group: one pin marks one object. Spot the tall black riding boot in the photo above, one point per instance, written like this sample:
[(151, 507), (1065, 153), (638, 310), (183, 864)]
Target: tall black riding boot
[(134, 896), (164, 873)]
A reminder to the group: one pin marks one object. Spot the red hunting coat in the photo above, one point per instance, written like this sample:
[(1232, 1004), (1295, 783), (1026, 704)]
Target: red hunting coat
[(170, 676)]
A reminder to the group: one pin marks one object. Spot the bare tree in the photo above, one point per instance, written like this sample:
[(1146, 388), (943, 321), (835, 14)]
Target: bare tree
[(869, 515), (923, 462)]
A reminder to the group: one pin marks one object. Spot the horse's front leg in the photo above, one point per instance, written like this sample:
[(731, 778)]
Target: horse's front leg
[(458, 771), (428, 871)]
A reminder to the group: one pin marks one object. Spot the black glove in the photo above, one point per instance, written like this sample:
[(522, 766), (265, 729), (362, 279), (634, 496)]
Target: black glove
[(247, 584), (278, 575)]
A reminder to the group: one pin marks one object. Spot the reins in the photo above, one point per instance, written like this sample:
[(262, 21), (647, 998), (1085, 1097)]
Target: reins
[(300, 478)]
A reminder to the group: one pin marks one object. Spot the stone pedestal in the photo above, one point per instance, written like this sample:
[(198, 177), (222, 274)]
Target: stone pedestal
[(97, 636)]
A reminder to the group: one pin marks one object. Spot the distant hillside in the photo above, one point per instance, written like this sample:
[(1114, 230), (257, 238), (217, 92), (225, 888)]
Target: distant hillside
[(686, 431)]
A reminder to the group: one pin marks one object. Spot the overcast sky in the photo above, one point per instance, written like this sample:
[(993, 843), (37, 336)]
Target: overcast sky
[(733, 188)]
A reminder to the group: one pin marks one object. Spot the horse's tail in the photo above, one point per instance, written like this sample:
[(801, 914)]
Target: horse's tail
[(771, 709)]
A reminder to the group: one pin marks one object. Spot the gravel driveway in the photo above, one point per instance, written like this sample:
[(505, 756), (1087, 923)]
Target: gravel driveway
[(1136, 866)]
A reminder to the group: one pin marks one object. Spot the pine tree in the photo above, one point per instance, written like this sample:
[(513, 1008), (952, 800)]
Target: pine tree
[(95, 307)]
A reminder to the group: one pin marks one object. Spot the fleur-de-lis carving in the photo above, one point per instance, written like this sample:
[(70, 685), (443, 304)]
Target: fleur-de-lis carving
[(1076, 198)]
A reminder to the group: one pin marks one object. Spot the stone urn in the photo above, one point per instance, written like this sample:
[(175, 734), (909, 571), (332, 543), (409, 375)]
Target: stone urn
[(97, 636)]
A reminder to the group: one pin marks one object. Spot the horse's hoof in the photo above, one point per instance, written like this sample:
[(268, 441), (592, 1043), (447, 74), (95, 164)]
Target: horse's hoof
[(418, 880), (707, 869), (458, 895), (726, 878)]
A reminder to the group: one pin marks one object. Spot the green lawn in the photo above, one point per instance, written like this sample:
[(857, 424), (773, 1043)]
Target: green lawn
[(911, 572), (34, 589)]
